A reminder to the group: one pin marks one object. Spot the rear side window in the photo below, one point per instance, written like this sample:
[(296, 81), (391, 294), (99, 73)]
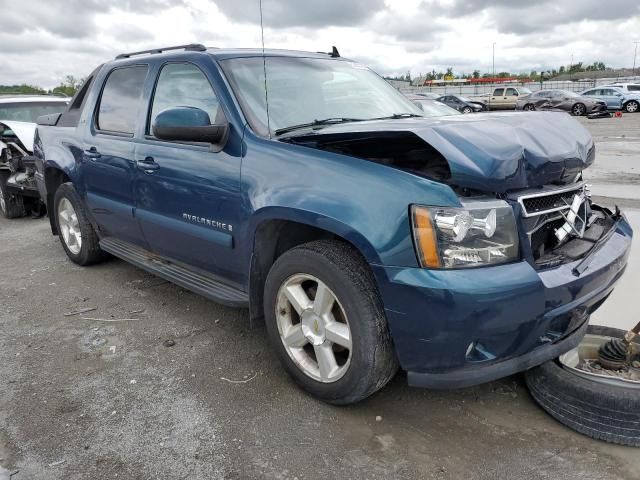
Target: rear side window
[(120, 99), (183, 85), (498, 92), (633, 88)]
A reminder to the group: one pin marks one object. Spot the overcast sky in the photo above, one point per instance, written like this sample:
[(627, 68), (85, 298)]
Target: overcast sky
[(41, 41)]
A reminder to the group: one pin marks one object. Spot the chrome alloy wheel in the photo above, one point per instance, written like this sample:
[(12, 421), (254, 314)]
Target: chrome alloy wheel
[(69, 226), (579, 109), (313, 328)]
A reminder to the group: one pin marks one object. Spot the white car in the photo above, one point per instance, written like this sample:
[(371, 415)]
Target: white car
[(18, 114), (625, 87)]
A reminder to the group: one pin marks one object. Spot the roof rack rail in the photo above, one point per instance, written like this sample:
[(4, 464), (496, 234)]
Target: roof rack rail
[(192, 47)]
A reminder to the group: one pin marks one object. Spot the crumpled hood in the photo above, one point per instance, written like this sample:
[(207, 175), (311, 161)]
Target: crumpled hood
[(25, 131), (494, 152)]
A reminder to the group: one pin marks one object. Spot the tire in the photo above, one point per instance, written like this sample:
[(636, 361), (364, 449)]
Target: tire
[(89, 251), (372, 361), (604, 412), (578, 109), (632, 106), (467, 110), (529, 107), (11, 206)]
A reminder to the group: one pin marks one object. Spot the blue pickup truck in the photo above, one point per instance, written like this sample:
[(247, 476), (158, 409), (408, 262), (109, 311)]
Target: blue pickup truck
[(305, 188)]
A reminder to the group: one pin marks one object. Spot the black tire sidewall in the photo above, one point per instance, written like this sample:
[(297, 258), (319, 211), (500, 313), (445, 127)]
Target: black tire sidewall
[(605, 412), (14, 207), (86, 256), (359, 307)]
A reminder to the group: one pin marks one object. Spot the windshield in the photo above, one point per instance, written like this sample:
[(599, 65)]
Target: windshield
[(304, 90), (29, 111), (524, 91), (436, 109), (568, 94), (464, 99)]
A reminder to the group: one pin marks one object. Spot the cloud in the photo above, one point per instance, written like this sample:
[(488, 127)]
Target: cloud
[(301, 13)]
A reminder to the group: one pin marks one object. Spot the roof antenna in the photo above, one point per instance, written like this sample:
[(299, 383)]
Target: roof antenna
[(334, 52), (264, 66)]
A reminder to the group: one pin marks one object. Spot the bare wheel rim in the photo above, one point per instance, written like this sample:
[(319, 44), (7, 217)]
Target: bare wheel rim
[(314, 328), (69, 226), (578, 109)]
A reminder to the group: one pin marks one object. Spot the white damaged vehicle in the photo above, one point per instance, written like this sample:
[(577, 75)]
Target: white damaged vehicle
[(18, 114)]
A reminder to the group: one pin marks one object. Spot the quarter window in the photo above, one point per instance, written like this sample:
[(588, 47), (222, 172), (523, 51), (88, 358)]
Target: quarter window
[(120, 99), (183, 85)]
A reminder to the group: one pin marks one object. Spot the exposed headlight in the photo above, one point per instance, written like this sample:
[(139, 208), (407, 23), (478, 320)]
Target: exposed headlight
[(481, 233)]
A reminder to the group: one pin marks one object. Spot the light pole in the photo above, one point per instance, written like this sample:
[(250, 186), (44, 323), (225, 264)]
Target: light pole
[(635, 53), (494, 59)]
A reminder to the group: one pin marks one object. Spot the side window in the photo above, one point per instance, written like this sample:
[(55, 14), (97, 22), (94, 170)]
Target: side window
[(511, 92), (498, 92), (633, 88), (183, 85), (120, 99)]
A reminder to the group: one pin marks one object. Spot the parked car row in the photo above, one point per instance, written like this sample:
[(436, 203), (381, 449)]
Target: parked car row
[(371, 232), (623, 96)]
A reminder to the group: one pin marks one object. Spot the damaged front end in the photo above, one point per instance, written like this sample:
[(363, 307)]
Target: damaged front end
[(562, 225), (18, 187)]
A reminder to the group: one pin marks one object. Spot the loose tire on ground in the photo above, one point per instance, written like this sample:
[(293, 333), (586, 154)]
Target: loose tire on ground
[(372, 361), (89, 251), (11, 206), (604, 412)]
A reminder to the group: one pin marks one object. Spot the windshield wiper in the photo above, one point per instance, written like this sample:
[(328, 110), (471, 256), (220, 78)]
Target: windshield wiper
[(396, 116), (316, 123)]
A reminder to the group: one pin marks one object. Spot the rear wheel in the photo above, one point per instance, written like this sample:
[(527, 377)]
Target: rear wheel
[(325, 319), (78, 238), (578, 109), (529, 107), (11, 206), (632, 106)]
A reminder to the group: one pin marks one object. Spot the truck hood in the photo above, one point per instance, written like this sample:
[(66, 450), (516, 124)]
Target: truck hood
[(493, 152), (25, 131)]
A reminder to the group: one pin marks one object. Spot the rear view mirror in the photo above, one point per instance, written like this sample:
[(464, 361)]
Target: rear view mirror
[(188, 124)]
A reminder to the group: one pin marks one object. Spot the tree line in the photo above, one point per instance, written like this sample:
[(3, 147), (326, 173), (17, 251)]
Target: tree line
[(533, 75), (67, 87)]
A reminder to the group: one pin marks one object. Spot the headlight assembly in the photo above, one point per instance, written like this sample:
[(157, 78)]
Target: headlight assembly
[(481, 233)]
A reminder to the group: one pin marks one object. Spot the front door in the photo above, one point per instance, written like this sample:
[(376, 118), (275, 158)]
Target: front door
[(107, 168), (188, 200)]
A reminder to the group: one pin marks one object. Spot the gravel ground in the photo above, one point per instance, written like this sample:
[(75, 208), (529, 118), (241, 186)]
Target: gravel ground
[(98, 395)]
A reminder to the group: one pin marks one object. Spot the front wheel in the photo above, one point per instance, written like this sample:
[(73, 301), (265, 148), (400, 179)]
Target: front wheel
[(11, 206), (529, 107), (578, 109), (467, 110), (78, 238), (325, 318), (632, 106)]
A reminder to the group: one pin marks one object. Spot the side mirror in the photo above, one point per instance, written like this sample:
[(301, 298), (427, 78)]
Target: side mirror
[(188, 124)]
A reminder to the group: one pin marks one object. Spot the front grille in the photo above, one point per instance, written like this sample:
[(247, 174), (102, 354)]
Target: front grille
[(541, 203)]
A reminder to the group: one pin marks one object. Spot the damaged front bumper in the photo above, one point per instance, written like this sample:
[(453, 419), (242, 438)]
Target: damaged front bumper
[(457, 328)]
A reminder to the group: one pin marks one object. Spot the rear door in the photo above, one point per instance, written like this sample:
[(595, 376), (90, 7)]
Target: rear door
[(510, 98), (612, 97), (107, 168), (188, 203)]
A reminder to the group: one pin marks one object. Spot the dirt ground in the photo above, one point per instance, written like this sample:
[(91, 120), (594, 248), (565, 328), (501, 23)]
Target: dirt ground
[(98, 395)]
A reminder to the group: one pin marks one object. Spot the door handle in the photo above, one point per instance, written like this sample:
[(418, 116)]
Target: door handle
[(148, 165), (92, 154)]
